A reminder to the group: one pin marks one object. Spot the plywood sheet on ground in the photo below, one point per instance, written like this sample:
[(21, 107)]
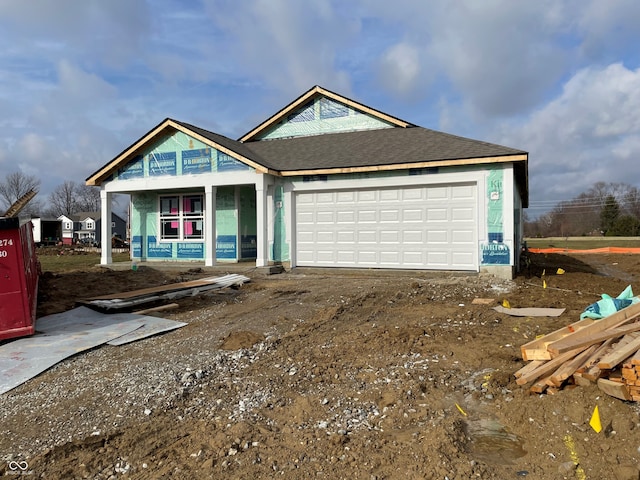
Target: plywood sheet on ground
[(530, 312)]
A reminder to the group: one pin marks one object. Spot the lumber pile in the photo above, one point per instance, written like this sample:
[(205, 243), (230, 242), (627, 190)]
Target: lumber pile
[(605, 352)]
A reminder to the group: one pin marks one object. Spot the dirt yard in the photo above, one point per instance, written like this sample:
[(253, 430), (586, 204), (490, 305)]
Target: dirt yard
[(325, 374)]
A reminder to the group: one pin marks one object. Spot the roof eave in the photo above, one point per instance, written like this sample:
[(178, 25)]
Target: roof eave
[(405, 166)]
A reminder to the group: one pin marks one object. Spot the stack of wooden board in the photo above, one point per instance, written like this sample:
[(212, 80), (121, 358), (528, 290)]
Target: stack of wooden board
[(588, 351)]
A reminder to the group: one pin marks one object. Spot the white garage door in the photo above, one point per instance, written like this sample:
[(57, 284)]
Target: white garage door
[(426, 227)]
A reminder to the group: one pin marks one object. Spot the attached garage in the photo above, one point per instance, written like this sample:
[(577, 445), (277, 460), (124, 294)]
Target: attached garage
[(421, 227)]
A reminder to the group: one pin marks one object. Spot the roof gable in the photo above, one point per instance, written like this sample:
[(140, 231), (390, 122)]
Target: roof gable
[(303, 107), (166, 128)]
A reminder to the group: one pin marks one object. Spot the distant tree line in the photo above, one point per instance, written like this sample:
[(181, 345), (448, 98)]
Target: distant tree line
[(610, 209), (66, 199)]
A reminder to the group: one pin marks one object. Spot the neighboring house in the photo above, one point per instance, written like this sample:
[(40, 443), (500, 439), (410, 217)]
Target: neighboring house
[(326, 182), (67, 229), (86, 226)]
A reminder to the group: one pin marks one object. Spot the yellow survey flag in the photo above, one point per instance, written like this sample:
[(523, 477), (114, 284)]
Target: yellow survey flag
[(560, 271), (461, 410), (595, 420), (544, 284), (506, 304)]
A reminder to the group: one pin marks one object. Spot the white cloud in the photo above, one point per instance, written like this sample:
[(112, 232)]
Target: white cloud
[(587, 134), (290, 46), (400, 70)]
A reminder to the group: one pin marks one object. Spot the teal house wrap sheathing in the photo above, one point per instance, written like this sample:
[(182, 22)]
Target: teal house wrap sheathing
[(324, 182)]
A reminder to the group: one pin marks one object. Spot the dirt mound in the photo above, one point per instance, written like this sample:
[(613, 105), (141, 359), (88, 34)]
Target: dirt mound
[(343, 374)]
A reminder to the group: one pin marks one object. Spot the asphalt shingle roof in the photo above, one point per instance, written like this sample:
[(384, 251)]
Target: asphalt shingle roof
[(387, 146), (228, 143)]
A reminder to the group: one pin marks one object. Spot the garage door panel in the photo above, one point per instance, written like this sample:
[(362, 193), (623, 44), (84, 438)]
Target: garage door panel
[(348, 217), (325, 198), (438, 193), (326, 217), (460, 214), (366, 196), (389, 216), (367, 257), (426, 227), (437, 214), (413, 236), (390, 195), (390, 257), (462, 237), (412, 215), (411, 194), (367, 236), (437, 236), (305, 217), (438, 258), (346, 196), (463, 192), (325, 237), (346, 236), (367, 216), (462, 260)]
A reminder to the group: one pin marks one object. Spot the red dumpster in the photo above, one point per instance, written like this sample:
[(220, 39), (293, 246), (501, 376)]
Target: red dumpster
[(19, 272)]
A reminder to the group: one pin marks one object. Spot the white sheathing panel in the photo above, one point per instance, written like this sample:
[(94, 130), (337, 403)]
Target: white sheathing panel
[(425, 227)]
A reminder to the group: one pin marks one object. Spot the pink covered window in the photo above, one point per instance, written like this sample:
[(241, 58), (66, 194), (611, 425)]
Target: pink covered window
[(181, 217)]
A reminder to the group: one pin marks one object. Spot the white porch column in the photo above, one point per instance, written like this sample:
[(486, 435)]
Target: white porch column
[(262, 207), (290, 215), (210, 225), (105, 228)]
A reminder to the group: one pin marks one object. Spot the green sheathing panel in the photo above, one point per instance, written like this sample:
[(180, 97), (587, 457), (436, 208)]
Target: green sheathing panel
[(175, 155), (226, 224), (324, 115), (144, 223), (495, 251), (248, 222), (280, 247)]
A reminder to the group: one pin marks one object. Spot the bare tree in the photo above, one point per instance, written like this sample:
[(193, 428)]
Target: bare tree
[(63, 200), (14, 186), (88, 198)]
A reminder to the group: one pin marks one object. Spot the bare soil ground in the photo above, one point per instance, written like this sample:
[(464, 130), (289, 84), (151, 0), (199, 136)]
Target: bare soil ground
[(325, 374)]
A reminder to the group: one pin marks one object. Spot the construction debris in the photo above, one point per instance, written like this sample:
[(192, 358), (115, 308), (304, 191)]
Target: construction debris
[(603, 351), (127, 300)]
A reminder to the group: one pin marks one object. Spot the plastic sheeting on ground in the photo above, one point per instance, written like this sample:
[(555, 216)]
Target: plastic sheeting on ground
[(64, 334), (608, 305)]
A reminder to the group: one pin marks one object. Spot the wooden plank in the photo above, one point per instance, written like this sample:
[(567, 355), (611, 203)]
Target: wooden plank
[(572, 342), (548, 367), (540, 385), (528, 368), (581, 380), (483, 301), (635, 359), (536, 349), (615, 389), (595, 358), (593, 373), (619, 354), (568, 368)]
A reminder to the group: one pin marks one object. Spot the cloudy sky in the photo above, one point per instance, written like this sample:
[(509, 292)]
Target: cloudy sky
[(80, 80)]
